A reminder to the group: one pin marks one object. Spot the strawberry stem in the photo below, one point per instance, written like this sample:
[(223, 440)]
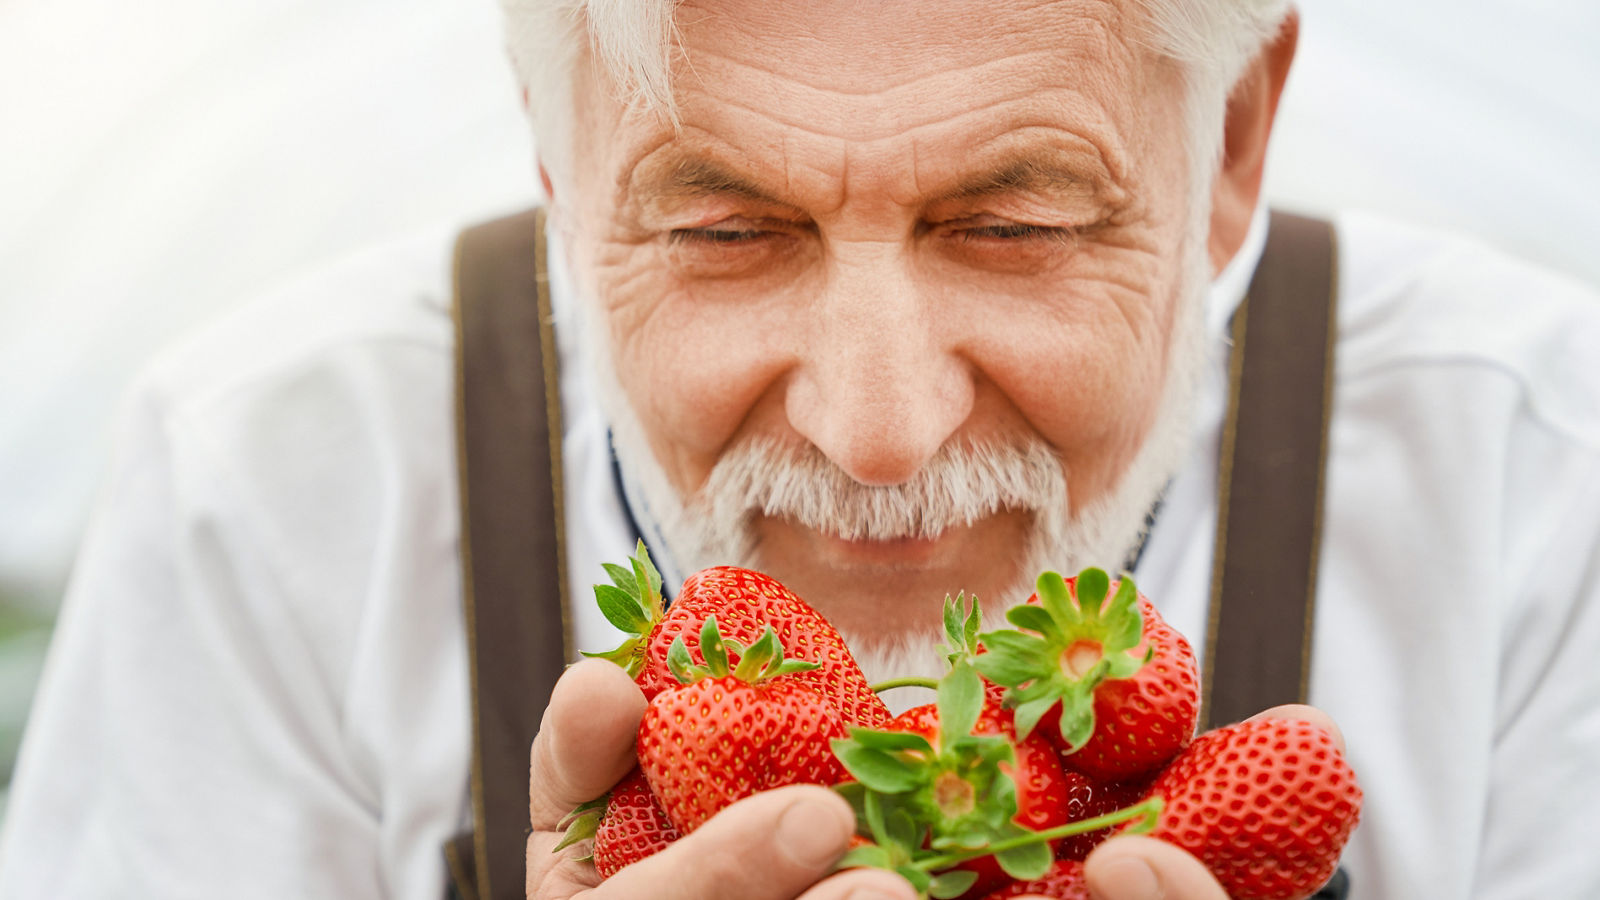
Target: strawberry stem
[(1147, 810), (908, 681)]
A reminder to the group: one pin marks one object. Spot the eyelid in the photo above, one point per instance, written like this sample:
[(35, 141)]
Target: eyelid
[(1007, 230)]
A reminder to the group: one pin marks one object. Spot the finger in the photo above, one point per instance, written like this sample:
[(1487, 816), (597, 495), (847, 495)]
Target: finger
[(1307, 714), (862, 884), (1134, 867), (552, 873), (770, 846), (585, 741)]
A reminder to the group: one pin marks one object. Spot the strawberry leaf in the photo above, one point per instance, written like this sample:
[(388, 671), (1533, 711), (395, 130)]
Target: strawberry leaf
[(754, 660), (867, 856), (962, 620), (630, 652), (646, 578), (632, 603), (712, 649), (901, 828), (1077, 715), (679, 663), (953, 883), (621, 609), (1030, 618), (960, 701), (621, 577), (1092, 587), (921, 881), (875, 768), (890, 740), (1028, 714), (1027, 862), (872, 811), (1013, 658), (1056, 599)]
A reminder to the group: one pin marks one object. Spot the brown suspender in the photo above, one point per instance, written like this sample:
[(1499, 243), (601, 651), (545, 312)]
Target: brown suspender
[(514, 591), (1270, 477), (514, 586)]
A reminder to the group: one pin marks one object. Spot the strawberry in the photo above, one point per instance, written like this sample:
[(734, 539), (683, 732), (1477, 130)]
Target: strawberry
[(1088, 798), (1113, 686), (632, 827), (1041, 789), (745, 603), (724, 734), (1266, 804), (1064, 881)]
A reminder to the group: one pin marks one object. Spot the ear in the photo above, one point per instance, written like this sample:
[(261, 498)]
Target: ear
[(544, 181), (1252, 106)]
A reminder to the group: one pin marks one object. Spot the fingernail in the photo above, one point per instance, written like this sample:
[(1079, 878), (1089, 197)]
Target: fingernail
[(812, 833), (1130, 878)]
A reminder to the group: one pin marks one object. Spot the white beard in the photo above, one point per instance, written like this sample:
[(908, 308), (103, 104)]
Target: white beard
[(961, 484)]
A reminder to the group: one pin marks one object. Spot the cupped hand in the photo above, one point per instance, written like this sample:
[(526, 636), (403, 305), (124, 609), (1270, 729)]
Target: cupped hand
[(775, 845), (1132, 867)]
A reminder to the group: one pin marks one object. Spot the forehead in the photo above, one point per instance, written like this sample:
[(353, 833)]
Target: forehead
[(908, 88)]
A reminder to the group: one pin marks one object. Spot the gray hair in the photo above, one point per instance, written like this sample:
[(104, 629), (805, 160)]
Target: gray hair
[(1212, 40)]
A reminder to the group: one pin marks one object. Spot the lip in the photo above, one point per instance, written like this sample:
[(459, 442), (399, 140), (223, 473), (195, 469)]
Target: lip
[(906, 551)]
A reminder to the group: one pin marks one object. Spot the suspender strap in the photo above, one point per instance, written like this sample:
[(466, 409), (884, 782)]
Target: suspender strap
[(508, 433), (1270, 477)]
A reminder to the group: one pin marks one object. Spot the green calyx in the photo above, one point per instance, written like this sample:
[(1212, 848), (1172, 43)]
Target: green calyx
[(759, 662), (582, 824), (961, 623), (962, 620), (632, 603), (929, 806), (1062, 650), (950, 794)]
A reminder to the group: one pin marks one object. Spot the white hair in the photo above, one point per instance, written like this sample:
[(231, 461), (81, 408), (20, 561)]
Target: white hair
[(634, 40)]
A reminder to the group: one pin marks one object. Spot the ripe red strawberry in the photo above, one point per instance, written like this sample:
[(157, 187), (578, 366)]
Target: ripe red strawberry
[(1088, 798), (1064, 881), (633, 826), (745, 603), (1041, 788), (1266, 804), (726, 734), (1112, 685)]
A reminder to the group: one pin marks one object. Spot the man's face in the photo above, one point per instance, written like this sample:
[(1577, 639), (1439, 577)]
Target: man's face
[(887, 234)]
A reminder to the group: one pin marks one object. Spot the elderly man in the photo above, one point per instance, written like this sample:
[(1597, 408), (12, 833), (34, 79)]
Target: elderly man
[(887, 299)]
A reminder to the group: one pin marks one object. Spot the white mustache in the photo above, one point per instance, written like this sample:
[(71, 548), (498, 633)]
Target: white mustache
[(961, 485)]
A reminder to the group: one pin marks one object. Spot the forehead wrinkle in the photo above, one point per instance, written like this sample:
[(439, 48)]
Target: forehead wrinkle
[(909, 45), (872, 112)]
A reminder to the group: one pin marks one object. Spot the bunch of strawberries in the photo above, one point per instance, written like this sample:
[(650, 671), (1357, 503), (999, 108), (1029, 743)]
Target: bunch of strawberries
[(1044, 740)]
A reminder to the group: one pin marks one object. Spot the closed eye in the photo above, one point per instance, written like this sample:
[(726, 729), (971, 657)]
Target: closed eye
[(1016, 231), (715, 235)]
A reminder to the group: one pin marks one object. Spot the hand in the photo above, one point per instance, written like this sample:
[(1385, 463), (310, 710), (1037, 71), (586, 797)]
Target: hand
[(776, 845), (1133, 867)]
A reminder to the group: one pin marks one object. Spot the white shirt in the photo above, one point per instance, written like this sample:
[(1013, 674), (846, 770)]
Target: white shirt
[(259, 683)]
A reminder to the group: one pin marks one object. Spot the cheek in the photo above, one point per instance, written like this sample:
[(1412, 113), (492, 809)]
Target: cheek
[(696, 366), (1084, 358)]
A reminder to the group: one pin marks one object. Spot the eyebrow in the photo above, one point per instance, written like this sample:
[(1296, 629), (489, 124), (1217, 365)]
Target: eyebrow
[(1024, 174), (694, 176), (699, 176)]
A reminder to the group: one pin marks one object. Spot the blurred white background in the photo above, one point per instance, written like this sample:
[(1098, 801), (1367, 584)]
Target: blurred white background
[(160, 162)]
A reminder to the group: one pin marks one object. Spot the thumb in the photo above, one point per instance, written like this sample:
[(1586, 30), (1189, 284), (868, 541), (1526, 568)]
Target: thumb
[(1134, 867), (585, 741)]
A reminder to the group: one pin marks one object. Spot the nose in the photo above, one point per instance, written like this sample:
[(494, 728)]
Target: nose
[(879, 389)]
